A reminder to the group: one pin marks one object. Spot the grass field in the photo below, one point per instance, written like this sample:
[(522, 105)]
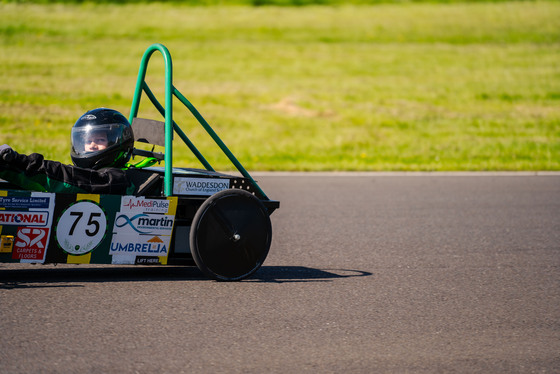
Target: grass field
[(459, 86)]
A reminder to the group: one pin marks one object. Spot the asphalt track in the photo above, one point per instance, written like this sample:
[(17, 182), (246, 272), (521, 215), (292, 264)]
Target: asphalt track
[(367, 273)]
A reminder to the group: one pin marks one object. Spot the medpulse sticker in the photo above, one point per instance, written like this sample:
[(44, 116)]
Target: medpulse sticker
[(81, 228)]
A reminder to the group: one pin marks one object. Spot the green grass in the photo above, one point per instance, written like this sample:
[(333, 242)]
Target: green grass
[(461, 86)]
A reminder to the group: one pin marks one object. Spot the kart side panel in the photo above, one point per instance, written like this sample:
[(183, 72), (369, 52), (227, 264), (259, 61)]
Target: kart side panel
[(39, 227), (85, 228)]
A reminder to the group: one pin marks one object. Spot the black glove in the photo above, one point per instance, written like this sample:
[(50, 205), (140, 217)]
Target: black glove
[(7, 154)]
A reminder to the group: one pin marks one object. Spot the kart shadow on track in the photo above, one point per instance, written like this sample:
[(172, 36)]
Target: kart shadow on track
[(281, 274), (74, 276)]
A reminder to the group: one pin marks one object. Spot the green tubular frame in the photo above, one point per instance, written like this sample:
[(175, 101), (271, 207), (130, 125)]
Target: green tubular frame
[(171, 126)]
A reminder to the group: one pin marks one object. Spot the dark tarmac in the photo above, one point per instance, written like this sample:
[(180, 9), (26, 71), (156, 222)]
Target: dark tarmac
[(367, 273)]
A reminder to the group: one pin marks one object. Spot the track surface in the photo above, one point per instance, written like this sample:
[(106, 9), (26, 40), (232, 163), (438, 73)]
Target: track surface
[(367, 274)]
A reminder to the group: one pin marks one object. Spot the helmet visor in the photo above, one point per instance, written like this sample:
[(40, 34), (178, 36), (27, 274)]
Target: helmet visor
[(88, 140)]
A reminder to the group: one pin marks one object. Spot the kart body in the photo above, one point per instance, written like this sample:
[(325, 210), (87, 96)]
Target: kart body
[(179, 216)]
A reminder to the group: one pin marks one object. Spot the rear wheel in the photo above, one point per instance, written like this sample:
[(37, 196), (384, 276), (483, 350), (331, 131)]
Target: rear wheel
[(230, 235)]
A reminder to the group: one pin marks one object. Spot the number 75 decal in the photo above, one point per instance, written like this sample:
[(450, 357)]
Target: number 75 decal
[(81, 227)]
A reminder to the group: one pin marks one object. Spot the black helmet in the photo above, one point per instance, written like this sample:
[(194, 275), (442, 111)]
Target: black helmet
[(108, 126)]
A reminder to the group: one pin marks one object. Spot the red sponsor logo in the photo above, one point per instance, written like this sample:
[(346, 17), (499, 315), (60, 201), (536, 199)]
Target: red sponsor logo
[(24, 218), (30, 243)]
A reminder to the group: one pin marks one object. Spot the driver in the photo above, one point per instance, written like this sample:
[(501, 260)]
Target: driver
[(97, 141), (102, 142)]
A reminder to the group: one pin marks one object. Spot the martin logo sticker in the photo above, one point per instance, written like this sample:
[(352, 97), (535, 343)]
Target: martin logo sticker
[(142, 229), (145, 234), (147, 224), (81, 228)]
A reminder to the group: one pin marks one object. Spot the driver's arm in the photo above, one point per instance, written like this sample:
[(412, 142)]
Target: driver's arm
[(33, 172)]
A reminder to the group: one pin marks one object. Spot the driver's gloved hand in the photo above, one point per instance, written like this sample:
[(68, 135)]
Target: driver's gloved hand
[(7, 154)]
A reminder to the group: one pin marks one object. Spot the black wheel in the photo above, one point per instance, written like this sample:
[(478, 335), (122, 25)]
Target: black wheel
[(230, 235)]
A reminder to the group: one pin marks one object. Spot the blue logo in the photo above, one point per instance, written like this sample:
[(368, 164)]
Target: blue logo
[(145, 224)]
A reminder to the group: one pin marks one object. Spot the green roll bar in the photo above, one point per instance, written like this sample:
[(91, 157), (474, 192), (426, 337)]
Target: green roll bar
[(171, 126)]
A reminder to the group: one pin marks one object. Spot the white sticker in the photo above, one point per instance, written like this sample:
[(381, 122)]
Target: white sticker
[(142, 234), (199, 186), (141, 204), (81, 228), (143, 224), (28, 218), (33, 215), (140, 245)]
